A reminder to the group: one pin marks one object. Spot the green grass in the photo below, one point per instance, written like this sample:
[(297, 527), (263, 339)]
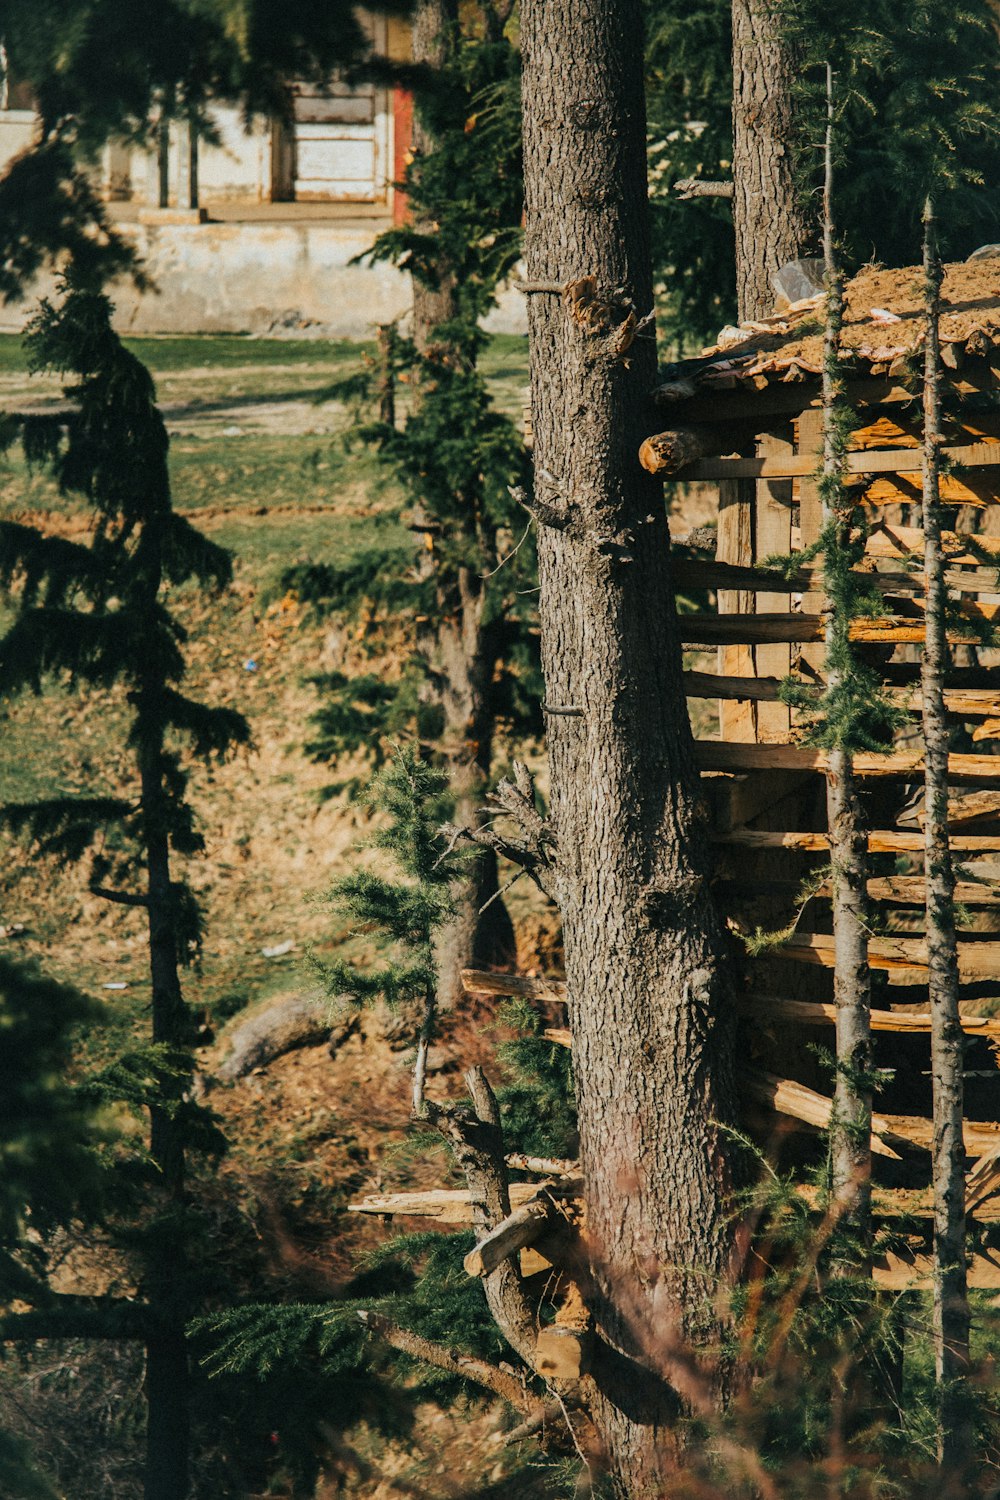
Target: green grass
[(192, 351), (505, 358)]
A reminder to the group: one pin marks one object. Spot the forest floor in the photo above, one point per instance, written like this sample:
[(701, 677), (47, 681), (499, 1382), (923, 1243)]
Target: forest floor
[(258, 462)]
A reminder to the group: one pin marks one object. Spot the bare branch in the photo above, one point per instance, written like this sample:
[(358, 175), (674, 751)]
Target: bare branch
[(697, 187), (455, 1362), (532, 848), (119, 898)]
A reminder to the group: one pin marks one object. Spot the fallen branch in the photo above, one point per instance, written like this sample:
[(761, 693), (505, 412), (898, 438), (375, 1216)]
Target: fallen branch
[(546, 1166)]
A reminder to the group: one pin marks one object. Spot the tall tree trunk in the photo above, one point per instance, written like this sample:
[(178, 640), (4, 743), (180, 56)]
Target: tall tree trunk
[(951, 1297), (652, 1045), (167, 1371), (770, 225), (852, 1112)]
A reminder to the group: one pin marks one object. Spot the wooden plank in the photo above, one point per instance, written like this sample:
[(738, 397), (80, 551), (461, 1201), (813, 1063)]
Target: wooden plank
[(971, 808), (819, 1013), (910, 1271), (983, 1182), (773, 538), (756, 630), (522, 1227), (880, 841), (911, 890), (904, 960), (446, 1205), (890, 540), (734, 545), (891, 890), (868, 461), (789, 399), (484, 982), (902, 1203), (718, 755), (970, 702), (788, 1097), (699, 573)]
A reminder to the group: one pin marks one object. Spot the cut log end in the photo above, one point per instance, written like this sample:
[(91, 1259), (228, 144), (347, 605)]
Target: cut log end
[(667, 452)]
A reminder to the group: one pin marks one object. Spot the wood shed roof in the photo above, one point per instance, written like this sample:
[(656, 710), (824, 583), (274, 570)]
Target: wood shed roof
[(882, 331)]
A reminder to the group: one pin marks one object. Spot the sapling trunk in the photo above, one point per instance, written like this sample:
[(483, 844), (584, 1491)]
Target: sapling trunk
[(168, 1424), (850, 1144), (461, 642), (951, 1299)]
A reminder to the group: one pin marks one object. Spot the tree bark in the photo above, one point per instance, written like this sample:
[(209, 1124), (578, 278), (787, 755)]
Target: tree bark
[(850, 1134), (951, 1296), (769, 223), (652, 1046)]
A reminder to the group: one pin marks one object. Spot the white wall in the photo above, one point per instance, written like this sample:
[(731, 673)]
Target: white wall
[(17, 131), (257, 278)]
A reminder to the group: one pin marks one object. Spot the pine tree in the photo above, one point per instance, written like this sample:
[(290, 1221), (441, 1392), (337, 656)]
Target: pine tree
[(851, 1126), (951, 1297), (95, 615), (464, 592)]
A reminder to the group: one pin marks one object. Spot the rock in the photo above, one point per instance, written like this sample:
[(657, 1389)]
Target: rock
[(291, 1022), (985, 252)]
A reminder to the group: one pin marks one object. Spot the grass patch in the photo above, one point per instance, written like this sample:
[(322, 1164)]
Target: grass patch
[(221, 351)]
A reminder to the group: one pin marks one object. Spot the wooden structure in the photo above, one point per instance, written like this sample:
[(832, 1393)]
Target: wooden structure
[(746, 416)]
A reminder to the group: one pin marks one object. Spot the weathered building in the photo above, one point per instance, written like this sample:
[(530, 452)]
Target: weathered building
[(256, 228)]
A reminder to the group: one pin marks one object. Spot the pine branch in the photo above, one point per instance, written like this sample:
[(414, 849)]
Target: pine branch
[(118, 898)]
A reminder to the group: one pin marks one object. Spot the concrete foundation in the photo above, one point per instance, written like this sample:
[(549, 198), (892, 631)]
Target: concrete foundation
[(289, 276)]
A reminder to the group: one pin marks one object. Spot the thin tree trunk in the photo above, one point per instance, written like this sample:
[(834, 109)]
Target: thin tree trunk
[(851, 1127), (652, 1044), (951, 1298), (433, 20), (461, 643), (482, 933), (769, 223), (168, 1433)]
